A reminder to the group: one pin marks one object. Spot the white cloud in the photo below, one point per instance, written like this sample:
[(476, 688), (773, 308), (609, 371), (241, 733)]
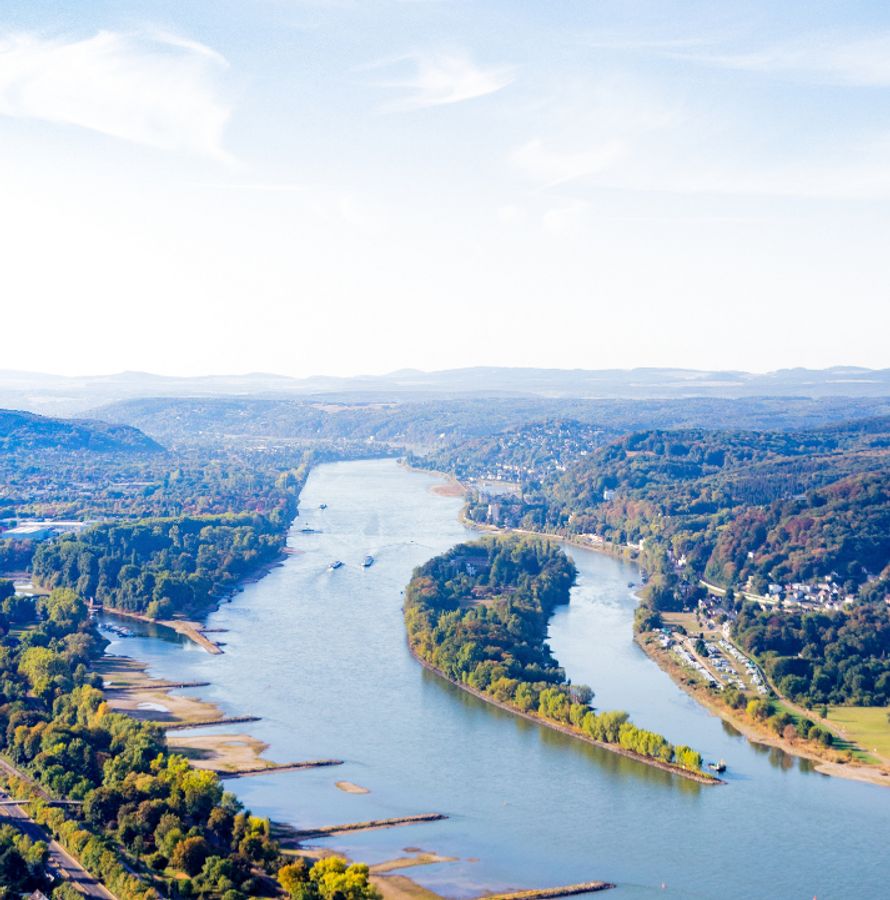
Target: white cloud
[(552, 165), (444, 78), (154, 89), (825, 58)]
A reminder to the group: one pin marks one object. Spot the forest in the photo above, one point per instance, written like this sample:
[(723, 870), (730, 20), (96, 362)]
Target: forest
[(151, 824), (478, 614), (827, 657), (162, 566), (28, 431)]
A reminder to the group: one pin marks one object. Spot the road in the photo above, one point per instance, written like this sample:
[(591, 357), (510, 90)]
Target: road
[(61, 863)]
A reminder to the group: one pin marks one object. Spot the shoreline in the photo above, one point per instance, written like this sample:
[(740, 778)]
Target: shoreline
[(852, 771), (689, 775), (192, 629), (135, 693), (188, 628)]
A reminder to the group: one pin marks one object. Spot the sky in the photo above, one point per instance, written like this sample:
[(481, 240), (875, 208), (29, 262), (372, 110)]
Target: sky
[(359, 186)]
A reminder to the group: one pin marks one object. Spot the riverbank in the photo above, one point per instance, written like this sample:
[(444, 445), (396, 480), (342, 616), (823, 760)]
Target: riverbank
[(688, 774), (188, 628), (130, 690), (826, 763)]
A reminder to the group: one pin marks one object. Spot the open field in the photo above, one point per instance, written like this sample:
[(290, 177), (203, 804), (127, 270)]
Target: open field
[(692, 625), (867, 726)]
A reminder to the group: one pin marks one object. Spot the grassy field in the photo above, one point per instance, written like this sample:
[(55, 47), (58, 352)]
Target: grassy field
[(690, 623), (866, 725), (842, 742)]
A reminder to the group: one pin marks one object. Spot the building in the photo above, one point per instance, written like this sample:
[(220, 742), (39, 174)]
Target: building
[(42, 530), (28, 533)]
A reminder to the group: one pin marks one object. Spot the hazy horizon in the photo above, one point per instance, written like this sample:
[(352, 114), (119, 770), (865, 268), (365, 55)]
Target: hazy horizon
[(357, 375)]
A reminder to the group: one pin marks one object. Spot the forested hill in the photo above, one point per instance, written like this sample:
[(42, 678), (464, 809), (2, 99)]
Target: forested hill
[(744, 508), (446, 423), (27, 431), (769, 506)]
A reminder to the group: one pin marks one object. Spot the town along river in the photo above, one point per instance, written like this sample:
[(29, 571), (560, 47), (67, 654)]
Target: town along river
[(320, 655)]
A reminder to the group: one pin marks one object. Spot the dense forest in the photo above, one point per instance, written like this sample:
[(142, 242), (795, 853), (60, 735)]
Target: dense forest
[(162, 566), (790, 512), (767, 506), (27, 431), (23, 867), (193, 481), (479, 613), (150, 825), (827, 657)]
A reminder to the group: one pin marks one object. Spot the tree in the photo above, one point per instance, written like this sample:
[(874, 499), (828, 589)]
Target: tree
[(335, 880), (190, 854), (293, 877)]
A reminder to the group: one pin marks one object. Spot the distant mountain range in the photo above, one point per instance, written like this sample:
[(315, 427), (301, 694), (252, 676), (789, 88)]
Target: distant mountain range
[(27, 431), (62, 395)]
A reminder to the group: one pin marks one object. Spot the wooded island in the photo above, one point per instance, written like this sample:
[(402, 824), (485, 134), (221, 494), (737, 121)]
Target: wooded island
[(478, 615)]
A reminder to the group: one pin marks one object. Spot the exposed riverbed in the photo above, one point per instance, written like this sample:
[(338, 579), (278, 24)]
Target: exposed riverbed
[(320, 655)]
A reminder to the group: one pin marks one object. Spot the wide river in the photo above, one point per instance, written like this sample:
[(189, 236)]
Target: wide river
[(320, 655)]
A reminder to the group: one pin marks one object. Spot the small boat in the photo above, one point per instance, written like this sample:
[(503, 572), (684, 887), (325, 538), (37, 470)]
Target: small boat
[(630, 584), (368, 562), (717, 766), (308, 530), (322, 506), (335, 564)]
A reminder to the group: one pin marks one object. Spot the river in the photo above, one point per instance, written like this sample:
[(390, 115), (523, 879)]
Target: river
[(320, 655)]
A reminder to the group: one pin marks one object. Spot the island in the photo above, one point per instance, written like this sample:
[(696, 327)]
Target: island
[(477, 615)]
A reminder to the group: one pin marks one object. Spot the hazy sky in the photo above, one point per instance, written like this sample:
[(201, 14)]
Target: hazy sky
[(347, 187)]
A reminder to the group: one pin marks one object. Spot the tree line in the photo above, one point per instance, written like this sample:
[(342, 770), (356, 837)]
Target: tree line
[(479, 614), (150, 823)]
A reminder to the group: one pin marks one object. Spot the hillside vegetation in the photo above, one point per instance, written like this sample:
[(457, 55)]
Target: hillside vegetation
[(27, 431)]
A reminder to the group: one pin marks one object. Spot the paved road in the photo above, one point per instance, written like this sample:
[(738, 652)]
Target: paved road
[(60, 862)]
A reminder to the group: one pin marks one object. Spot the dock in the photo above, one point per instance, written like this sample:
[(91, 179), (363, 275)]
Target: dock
[(276, 767), (366, 826), (569, 890), (205, 723)]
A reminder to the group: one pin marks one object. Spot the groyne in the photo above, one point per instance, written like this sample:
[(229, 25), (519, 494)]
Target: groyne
[(568, 890), (277, 767), (205, 723), (191, 630), (303, 833)]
